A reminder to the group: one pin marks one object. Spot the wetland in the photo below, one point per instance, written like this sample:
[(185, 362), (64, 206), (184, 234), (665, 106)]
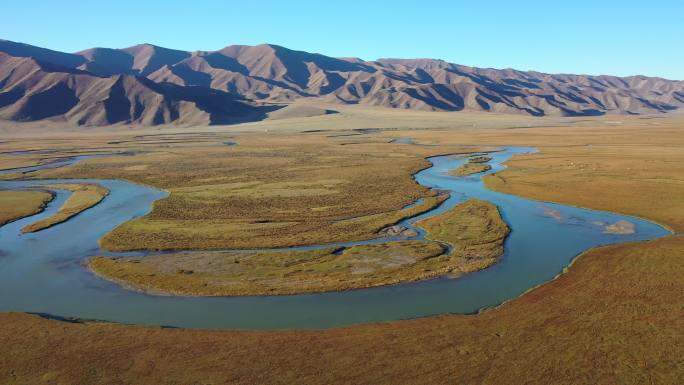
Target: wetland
[(610, 316), (57, 268)]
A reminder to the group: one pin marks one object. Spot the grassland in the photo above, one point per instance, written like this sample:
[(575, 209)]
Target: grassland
[(613, 318), (586, 327), (258, 231), (638, 179), (83, 197), (17, 204), (279, 190), (272, 272), (475, 231)]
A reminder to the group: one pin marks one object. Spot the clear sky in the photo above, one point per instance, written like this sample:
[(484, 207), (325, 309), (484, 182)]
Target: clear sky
[(582, 36)]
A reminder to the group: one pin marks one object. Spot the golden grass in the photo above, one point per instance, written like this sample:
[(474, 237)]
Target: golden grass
[(615, 317), (474, 229), (17, 204), (83, 197), (266, 192), (273, 272), (253, 232), (10, 161), (634, 179)]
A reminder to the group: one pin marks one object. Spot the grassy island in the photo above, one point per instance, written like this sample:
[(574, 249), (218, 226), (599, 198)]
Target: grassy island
[(83, 197), (470, 169), (17, 204), (272, 272), (474, 229)]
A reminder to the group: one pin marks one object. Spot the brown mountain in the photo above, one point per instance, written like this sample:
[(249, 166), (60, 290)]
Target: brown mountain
[(141, 59), (35, 90), (206, 86)]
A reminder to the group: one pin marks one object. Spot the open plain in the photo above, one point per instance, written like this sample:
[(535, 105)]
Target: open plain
[(613, 317)]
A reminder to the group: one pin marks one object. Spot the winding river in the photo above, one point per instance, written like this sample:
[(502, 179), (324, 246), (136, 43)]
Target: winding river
[(42, 272)]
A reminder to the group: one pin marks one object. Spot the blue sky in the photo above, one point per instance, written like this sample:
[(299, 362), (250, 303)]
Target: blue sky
[(593, 37)]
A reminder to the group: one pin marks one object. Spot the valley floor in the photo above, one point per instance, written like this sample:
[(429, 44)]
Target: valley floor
[(613, 318)]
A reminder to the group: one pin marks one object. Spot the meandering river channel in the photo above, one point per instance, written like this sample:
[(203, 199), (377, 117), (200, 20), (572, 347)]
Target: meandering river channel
[(42, 272)]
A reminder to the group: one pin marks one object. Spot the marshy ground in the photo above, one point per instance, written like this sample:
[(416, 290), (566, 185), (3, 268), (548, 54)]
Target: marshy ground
[(267, 191), (474, 229), (613, 317)]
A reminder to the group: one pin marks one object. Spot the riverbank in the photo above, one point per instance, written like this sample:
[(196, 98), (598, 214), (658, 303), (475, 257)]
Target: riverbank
[(271, 272), (611, 318), (82, 293), (270, 191), (522, 341), (17, 204), (476, 239), (475, 231), (83, 197)]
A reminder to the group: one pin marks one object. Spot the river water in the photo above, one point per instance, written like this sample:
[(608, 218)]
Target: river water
[(42, 272)]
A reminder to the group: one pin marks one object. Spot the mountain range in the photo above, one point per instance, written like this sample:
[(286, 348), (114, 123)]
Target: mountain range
[(151, 85)]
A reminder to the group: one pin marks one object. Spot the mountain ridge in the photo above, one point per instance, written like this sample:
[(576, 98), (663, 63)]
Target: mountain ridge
[(217, 87), (35, 90)]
